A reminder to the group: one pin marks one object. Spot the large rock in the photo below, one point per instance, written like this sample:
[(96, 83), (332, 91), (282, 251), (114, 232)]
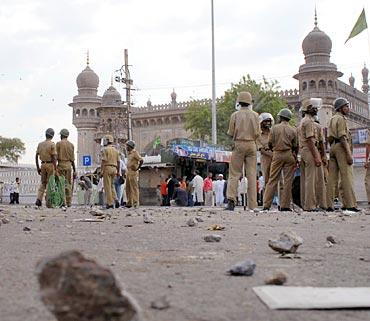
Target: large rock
[(288, 242), (74, 288), (245, 268)]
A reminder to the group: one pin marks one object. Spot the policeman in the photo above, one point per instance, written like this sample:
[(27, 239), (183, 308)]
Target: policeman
[(266, 121), (110, 164), (284, 144), (322, 171), (341, 160), (245, 129), (310, 156), (66, 163), (367, 176), (47, 153), (134, 162)]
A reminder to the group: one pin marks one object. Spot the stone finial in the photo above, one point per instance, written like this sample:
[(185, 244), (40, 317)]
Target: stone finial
[(315, 17), (87, 58), (365, 79), (351, 81), (173, 95), (149, 103)]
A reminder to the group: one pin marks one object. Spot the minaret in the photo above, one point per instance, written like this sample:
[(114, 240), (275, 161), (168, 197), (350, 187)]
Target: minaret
[(318, 76), (173, 98), (85, 115), (351, 81), (365, 79)]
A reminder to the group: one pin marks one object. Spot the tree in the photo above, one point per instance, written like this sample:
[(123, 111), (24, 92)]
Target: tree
[(265, 97), (11, 149)]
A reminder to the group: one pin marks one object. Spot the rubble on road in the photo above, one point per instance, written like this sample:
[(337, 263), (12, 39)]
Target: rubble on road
[(216, 227), (147, 219), (331, 239), (245, 268), (191, 222), (278, 278), (288, 242), (161, 303), (212, 238), (74, 288)]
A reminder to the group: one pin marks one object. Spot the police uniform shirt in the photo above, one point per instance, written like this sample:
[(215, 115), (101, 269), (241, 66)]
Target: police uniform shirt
[(110, 156), (65, 150), (306, 130), (338, 127), (46, 150), (244, 125), (283, 137), (133, 160)]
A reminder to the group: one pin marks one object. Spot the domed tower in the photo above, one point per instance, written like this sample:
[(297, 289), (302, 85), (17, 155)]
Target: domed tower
[(113, 116), (318, 77), (85, 113), (365, 80)]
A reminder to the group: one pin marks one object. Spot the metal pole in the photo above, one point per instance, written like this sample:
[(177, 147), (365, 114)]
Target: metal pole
[(128, 95), (214, 111)]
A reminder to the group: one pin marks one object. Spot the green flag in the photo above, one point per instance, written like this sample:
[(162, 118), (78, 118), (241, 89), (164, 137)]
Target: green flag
[(360, 25), (157, 142)]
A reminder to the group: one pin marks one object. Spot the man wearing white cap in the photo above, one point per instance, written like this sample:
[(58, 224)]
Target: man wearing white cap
[(218, 189)]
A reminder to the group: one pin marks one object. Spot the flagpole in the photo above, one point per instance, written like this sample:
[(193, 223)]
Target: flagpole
[(214, 110)]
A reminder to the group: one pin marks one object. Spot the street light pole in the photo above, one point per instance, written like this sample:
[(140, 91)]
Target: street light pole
[(214, 110)]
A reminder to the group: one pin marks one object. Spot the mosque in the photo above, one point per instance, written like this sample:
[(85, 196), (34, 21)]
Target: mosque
[(95, 116)]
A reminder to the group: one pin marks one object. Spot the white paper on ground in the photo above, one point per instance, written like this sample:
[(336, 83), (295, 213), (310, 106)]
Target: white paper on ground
[(296, 297)]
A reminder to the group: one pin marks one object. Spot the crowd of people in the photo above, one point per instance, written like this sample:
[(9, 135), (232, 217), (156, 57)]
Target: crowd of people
[(284, 150)]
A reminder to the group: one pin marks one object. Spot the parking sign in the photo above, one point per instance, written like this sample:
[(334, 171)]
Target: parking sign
[(86, 160)]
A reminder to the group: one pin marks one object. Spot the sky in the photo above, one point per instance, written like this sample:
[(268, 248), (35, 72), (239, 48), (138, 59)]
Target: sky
[(44, 45)]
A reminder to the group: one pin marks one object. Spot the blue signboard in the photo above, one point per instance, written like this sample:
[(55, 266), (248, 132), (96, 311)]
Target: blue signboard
[(86, 160)]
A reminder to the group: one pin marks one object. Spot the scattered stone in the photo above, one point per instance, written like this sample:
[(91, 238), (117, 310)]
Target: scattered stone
[(97, 213), (198, 219), (331, 239), (216, 227), (161, 303), (191, 222), (128, 225), (245, 268), (26, 229), (288, 242), (278, 278), (289, 256), (74, 288), (212, 238), (147, 219)]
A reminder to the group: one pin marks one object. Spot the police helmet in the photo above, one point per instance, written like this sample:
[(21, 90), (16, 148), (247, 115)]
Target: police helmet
[(244, 97), (130, 143), (340, 102), (49, 132), (64, 132), (286, 113), (108, 139)]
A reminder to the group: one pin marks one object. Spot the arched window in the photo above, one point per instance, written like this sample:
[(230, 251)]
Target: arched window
[(322, 84), (77, 113), (312, 84), (92, 113), (304, 85), (330, 84), (84, 112)]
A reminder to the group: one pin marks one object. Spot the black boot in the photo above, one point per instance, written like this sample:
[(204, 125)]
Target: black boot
[(116, 204), (230, 205), (38, 203)]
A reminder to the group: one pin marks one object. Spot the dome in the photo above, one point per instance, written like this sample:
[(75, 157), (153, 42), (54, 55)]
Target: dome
[(111, 97), (316, 42), (87, 79)]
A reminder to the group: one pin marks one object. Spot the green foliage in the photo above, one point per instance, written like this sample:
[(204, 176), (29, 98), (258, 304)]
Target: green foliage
[(11, 149), (265, 97)]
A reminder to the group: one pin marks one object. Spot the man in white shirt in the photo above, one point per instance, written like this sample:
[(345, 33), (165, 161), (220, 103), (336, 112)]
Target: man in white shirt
[(198, 189), (218, 189), (119, 180), (14, 191)]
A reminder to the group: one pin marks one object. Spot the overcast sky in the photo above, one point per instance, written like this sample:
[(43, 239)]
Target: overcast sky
[(44, 44)]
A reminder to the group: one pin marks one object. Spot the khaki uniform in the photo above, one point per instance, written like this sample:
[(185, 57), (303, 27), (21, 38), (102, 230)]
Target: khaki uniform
[(66, 156), (244, 127), (307, 130), (283, 138), (110, 156), (338, 163), (262, 143), (46, 150), (132, 178), (367, 176)]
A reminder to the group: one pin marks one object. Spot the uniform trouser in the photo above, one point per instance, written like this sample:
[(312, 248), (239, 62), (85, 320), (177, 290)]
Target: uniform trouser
[(320, 187), (338, 167), (132, 188), (87, 196), (47, 169), (308, 180), (208, 200), (109, 174), (65, 169), (266, 166), (244, 152), (367, 183), (282, 161)]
